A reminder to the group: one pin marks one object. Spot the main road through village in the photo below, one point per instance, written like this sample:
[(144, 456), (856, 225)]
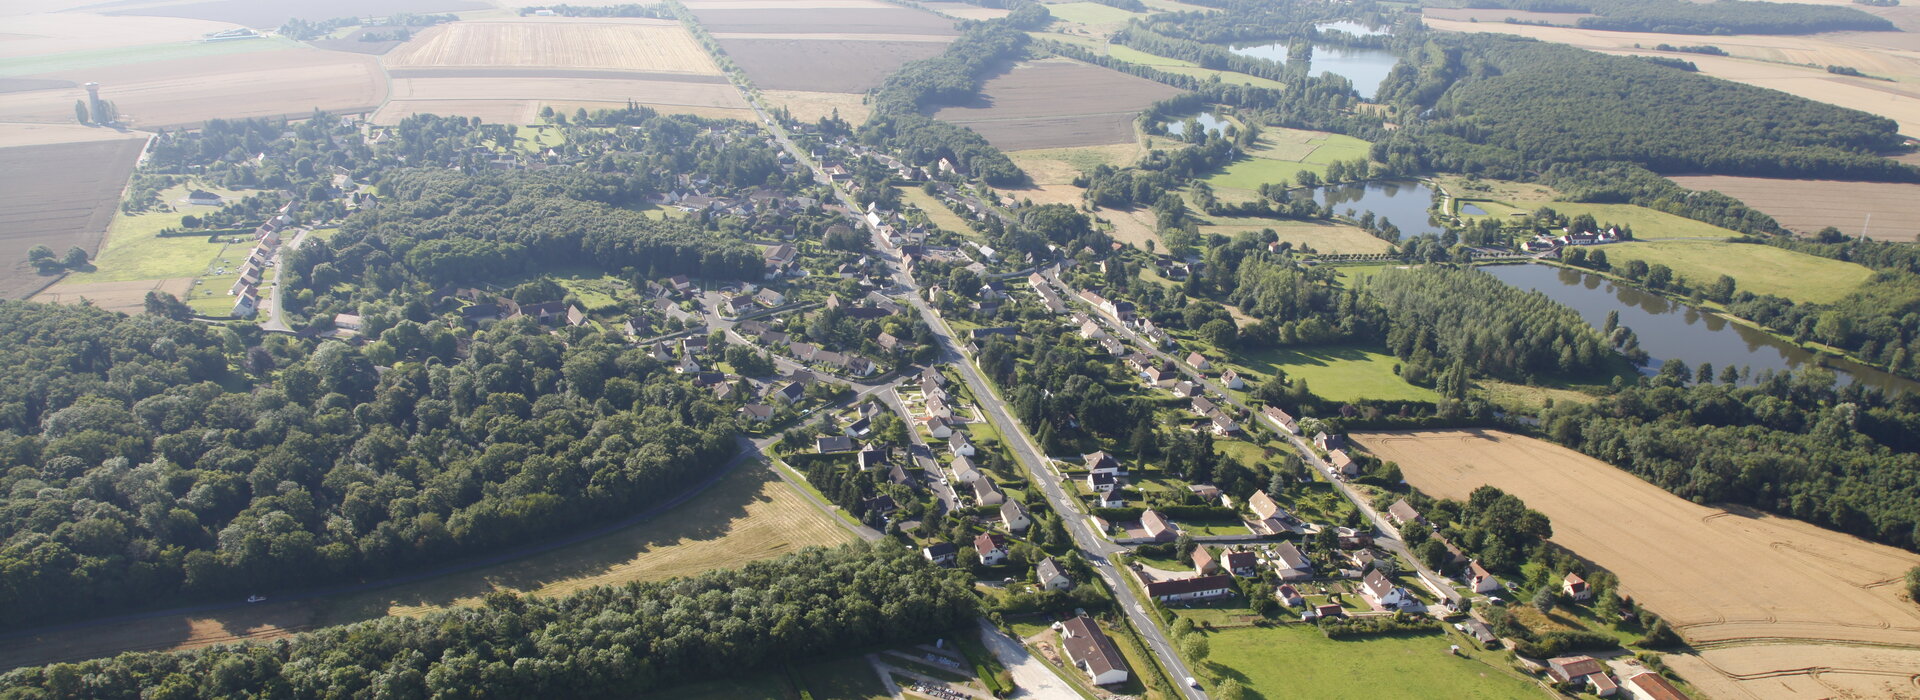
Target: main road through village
[(1097, 548)]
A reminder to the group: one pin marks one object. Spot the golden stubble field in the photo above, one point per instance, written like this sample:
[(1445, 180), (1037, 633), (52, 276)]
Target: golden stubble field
[(1776, 607), (658, 46), (748, 516), (1887, 211), (188, 91)]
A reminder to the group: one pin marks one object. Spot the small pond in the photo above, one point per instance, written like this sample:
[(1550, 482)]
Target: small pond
[(1209, 121), (1672, 331), (1404, 203), (1352, 27), (1471, 209)]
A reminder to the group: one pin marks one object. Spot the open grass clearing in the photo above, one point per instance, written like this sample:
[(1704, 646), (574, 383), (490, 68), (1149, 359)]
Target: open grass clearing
[(1529, 399), (1735, 580), (1336, 373), (937, 211), (1295, 660), (1091, 14), (1761, 269), (1059, 166), (747, 516), (1321, 236), (69, 61), (1281, 154), (814, 106)]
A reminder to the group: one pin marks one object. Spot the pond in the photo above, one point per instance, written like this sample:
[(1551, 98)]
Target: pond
[(1352, 27), (1471, 209), (1365, 67), (1672, 331), (1404, 203), (1208, 121)]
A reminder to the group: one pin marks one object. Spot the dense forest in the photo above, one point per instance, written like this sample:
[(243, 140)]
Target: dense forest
[(1719, 17), (153, 478), (1791, 444), (1497, 329), (1502, 106), (601, 642)]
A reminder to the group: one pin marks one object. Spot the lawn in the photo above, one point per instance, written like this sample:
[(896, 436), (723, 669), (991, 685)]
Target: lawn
[(747, 516), (1337, 373), (595, 293), (1520, 397), (1296, 661), (1092, 14), (1761, 269), (937, 211), (133, 250), (96, 58), (1321, 236), (535, 139), (1282, 153), (849, 678)]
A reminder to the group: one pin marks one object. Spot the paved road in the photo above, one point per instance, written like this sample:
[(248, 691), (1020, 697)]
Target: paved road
[(1389, 536), (276, 314)]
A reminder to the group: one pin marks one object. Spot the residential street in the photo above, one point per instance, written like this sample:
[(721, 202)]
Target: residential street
[(276, 321)]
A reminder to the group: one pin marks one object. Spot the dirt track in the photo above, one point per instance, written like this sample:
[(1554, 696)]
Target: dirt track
[(1735, 583)]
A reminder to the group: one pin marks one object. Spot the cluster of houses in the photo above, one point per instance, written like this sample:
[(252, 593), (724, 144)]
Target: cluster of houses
[(1591, 675), (1478, 578), (266, 240), (1544, 242)]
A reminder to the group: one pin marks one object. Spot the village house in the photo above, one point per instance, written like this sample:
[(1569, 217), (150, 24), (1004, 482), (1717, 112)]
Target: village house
[(1091, 331), (1648, 685), (1575, 587), (1402, 513), (246, 304), (832, 444), (939, 428), (687, 365), (1343, 464), (1363, 559), (1114, 498), (964, 471), (1382, 594), (1207, 493), (1089, 649), (757, 412), (991, 547), (1156, 526), (1282, 419), (1289, 596), (1222, 425), (1482, 580), (1102, 482), (787, 393), (1103, 463), (1269, 517), (1290, 564), (1014, 517), (942, 553), (1329, 442), (1582, 671), (769, 298), (1196, 588), (1112, 347), (960, 445), (1232, 380), (1201, 406), (1198, 361), (1241, 563), (1203, 561), (1049, 575), (1185, 389), (986, 494)]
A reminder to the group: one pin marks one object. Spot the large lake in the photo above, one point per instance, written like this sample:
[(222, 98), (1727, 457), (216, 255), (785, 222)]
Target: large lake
[(1365, 67), (1402, 202), (1672, 331)]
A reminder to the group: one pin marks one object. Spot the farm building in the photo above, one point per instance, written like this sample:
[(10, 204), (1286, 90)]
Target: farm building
[(1648, 685), (1091, 651), (1582, 671), (1196, 588)]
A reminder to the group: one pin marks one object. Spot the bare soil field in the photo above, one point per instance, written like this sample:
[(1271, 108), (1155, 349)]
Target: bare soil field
[(269, 14), (1735, 582), (814, 65), (747, 516), (836, 36), (786, 4), (125, 297), (658, 46), (812, 106), (66, 32), (869, 20), (1058, 104), (1462, 14), (186, 92), (1806, 206), (58, 195)]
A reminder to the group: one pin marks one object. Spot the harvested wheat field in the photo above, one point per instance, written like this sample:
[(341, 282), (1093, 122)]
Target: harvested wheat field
[(125, 297), (59, 190), (747, 516), (875, 22), (1058, 104), (269, 14), (813, 106), (519, 98), (963, 10), (1806, 206), (1734, 582), (188, 91), (657, 46), (819, 65)]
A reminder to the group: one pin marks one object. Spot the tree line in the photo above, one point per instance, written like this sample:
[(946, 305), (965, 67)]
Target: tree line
[(605, 641), (1721, 17)]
